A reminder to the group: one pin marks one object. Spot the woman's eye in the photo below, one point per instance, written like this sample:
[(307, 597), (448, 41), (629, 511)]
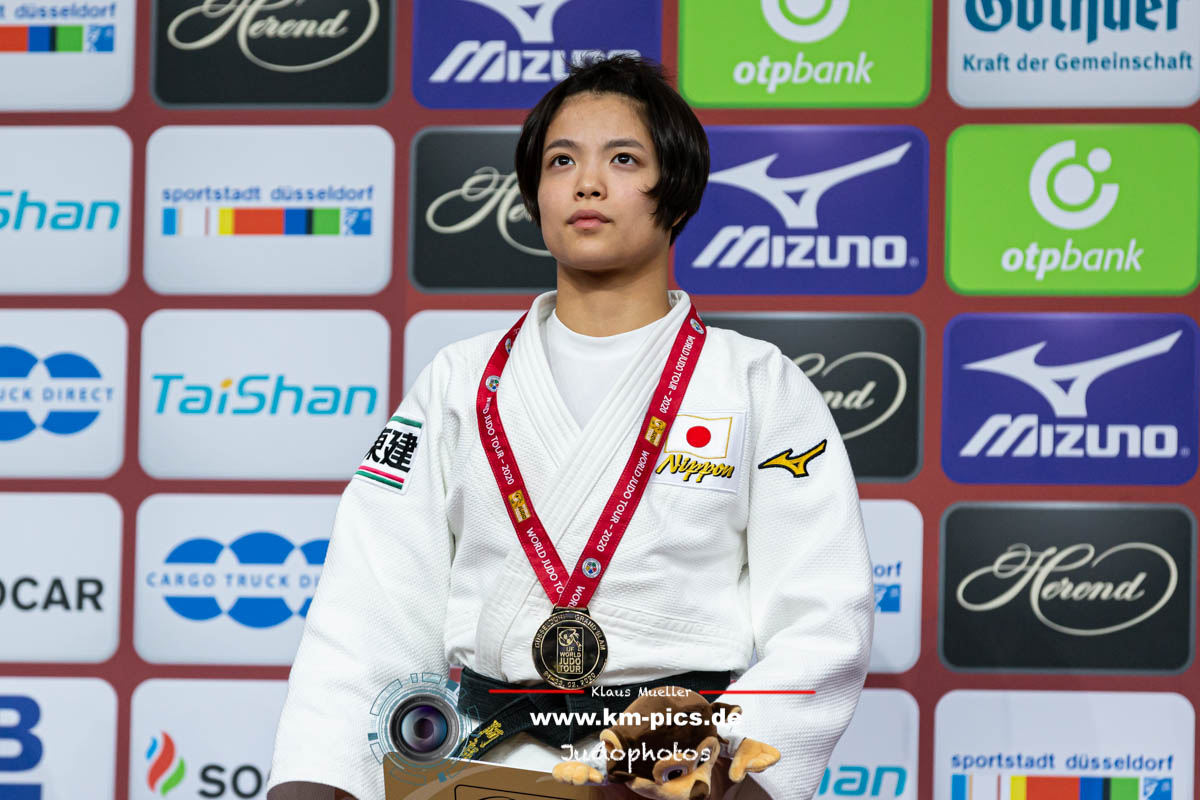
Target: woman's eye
[(560, 161), (624, 158)]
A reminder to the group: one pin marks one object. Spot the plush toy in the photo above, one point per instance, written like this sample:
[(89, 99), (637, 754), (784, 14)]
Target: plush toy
[(670, 750)]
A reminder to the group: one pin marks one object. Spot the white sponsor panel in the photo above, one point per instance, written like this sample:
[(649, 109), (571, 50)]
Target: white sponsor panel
[(62, 393), (227, 579), (261, 394), (203, 738), (64, 209), (60, 576), (58, 738), (264, 209), (877, 755), (427, 332), (895, 531), (996, 744), (66, 56), (1051, 53)]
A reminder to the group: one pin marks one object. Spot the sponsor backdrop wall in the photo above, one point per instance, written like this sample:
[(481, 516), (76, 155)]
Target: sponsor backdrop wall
[(231, 233)]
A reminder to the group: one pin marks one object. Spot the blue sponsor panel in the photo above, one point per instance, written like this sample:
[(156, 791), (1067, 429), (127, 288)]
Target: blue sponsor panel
[(793, 209), (1070, 398), (507, 54)]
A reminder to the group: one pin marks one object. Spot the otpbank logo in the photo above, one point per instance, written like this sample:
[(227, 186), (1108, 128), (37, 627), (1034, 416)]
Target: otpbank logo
[(64, 209), (1081, 53), (1070, 398), (1073, 209), (507, 53), (281, 394), (58, 56), (810, 210), (1009, 745), (62, 393), (249, 209), (803, 53), (234, 585)]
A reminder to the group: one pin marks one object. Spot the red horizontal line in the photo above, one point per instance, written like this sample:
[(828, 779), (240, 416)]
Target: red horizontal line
[(760, 691), (535, 691)]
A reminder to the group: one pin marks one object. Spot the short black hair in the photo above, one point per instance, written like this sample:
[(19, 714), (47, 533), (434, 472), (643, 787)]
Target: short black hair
[(679, 139)]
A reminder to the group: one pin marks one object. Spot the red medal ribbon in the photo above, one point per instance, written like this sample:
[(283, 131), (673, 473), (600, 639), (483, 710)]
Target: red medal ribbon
[(577, 589)]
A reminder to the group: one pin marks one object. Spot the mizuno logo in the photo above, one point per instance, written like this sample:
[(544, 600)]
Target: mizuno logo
[(534, 21), (795, 464), (1065, 386), (752, 176)]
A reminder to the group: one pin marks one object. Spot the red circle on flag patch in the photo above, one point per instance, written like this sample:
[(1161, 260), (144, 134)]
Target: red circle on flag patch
[(698, 436)]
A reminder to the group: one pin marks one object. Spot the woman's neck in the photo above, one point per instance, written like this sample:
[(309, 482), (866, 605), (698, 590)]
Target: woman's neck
[(608, 303)]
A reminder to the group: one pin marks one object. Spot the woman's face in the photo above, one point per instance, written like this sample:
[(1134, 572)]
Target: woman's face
[(597, 164)]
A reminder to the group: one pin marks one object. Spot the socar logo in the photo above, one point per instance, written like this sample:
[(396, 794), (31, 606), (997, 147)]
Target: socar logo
[(164, 771)]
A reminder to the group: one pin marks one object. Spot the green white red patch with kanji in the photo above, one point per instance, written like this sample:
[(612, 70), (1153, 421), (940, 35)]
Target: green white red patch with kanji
[(390, 459)]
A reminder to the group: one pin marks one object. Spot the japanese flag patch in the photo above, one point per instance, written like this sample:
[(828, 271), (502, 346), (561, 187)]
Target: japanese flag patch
[(703, 451), (390, 459)]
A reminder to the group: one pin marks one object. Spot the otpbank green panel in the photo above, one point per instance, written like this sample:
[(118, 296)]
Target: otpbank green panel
[(804, 53)]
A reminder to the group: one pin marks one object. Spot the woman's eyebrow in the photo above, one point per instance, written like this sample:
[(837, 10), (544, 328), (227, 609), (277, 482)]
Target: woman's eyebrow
[(570, 144)]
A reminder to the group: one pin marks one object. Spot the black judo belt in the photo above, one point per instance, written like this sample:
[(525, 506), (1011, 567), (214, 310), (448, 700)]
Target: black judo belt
[(504, 715)]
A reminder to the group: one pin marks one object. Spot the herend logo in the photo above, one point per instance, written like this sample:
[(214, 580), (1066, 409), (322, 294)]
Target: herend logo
[(245, 21)]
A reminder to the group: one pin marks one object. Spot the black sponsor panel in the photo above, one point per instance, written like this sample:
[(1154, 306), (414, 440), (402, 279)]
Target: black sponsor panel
[(869, 369), (295, 52), (469, 230), (1067, 587)]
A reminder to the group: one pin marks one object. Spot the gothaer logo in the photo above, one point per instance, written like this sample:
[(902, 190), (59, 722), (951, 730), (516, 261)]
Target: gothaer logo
[(804, 20)]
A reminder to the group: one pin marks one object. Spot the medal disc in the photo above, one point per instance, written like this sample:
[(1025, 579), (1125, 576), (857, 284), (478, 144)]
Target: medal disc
[(569, 649)]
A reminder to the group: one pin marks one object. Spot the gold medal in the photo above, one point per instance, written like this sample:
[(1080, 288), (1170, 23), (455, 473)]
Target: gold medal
[(569, 649)]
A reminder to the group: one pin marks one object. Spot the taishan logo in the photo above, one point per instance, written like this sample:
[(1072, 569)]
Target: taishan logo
[(264, 397), (247, 22)]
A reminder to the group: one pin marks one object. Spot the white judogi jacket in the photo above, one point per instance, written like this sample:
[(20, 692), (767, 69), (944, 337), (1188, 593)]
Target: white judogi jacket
[(708, 571)]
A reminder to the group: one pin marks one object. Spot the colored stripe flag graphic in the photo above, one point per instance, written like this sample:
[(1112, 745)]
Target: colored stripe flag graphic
[(255, 221), (57, 38), (1053, 787)]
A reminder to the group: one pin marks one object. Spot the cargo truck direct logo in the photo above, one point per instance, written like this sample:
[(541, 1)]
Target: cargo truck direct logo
[(67, 403), (1060, 398), (1073, 209), (507, 53), (838, 210), (194, 576)]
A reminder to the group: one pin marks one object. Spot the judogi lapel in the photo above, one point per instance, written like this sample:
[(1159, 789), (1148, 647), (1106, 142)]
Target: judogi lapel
[(571, 467)]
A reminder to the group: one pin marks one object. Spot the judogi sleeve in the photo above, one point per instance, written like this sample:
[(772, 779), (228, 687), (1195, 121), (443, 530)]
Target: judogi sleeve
[(810, 584), (379, 608)]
